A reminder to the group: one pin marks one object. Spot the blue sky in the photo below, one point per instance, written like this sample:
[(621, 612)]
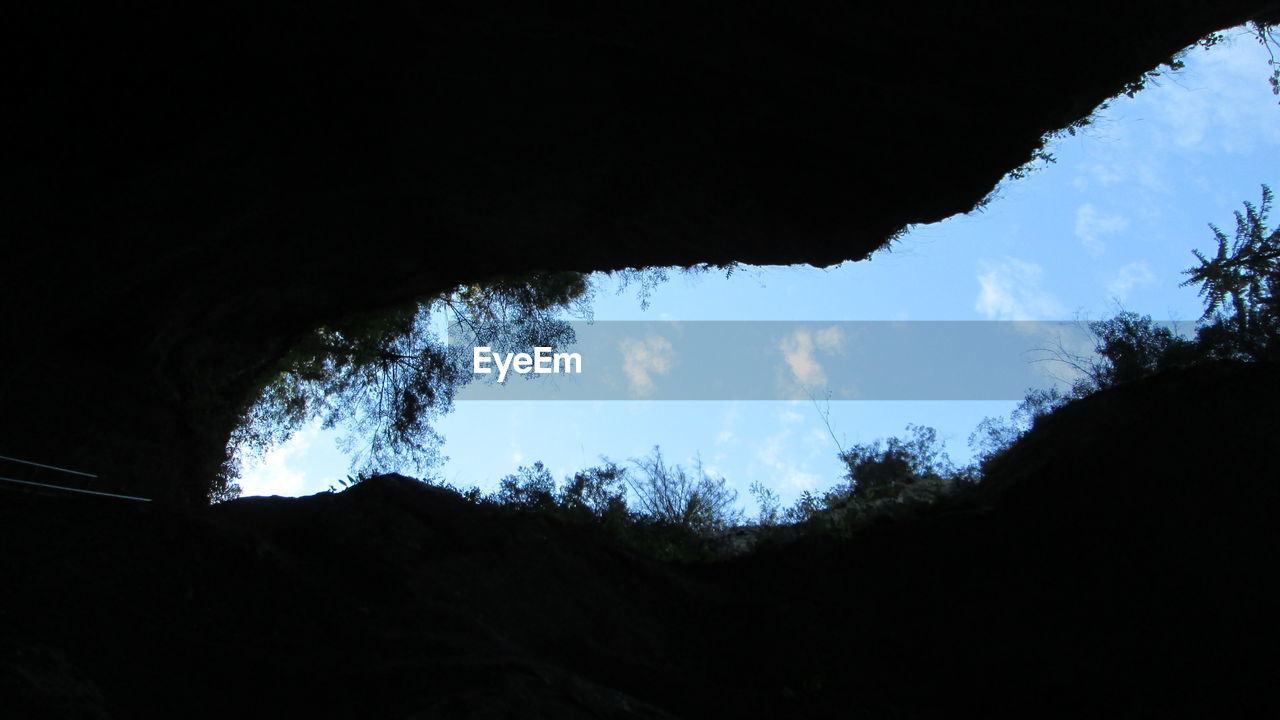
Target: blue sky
[(1110, 224)]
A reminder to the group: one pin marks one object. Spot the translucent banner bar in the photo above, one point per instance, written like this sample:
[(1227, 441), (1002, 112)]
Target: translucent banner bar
[(709, 360)]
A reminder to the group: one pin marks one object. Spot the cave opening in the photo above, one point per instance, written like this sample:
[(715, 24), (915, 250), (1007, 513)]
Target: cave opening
[(1107, 226), (715, 517)]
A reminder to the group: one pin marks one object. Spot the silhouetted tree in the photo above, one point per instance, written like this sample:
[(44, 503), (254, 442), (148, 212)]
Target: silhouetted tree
[(882, 473), (530, 487), (770, 504), (389, 375), (599, 491), (692, 499), (994, 435), (1131, 346), (876, 470), (596, 494), (1239, 285)]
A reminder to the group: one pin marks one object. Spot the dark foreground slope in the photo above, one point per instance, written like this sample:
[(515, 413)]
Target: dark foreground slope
[(1122, 562)]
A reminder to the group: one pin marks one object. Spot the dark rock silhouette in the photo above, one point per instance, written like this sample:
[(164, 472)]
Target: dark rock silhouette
[(1120, 563), (187, 190)]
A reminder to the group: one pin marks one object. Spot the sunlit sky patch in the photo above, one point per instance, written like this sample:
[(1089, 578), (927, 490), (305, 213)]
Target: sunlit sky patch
[(1109, 225)]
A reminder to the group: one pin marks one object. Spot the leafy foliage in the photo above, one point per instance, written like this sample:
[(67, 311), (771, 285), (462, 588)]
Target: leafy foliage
[(1239, 285), (388, 376)]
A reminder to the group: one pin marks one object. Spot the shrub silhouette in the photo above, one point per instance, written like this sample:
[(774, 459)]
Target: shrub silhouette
[(884, 477), (530, 488), (691, 499), (591, 494), (598, 492), (598, 496)]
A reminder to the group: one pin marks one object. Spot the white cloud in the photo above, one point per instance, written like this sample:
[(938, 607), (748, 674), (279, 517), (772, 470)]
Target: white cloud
[(1135, 274), (800, 480), (785, 471), (1107, 174), (798, 352), (726, 434), (830, 340), (1010, 290), (769, 452), (644, 359), (790, 416), (1104, 174), (1185, 117), (1221, 103), (273, 474), (1092, 226)]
